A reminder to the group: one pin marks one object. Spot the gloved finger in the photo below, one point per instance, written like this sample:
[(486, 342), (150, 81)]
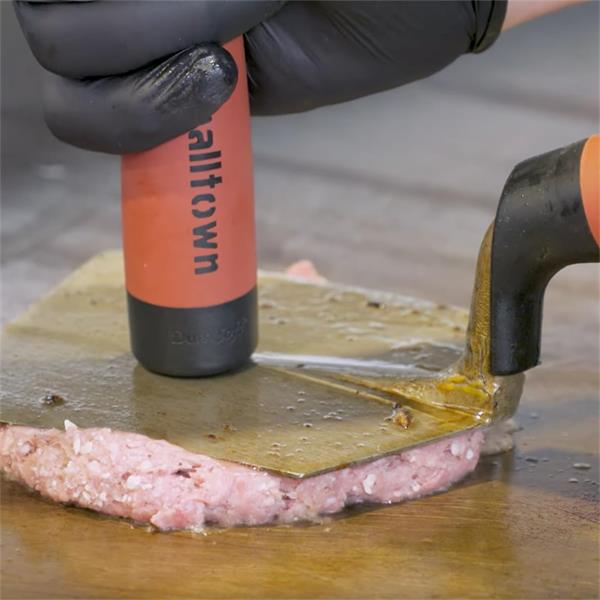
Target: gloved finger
[(90, 39), (139, 110)]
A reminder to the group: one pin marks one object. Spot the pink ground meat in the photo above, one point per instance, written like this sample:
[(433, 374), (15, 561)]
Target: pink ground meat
[(305, 269), (153, 481)]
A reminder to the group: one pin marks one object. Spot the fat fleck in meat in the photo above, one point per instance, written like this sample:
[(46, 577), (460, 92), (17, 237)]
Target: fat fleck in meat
[(153, 481)]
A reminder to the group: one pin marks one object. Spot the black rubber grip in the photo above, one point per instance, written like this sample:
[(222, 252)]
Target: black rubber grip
[(540, 228), (194, 342)]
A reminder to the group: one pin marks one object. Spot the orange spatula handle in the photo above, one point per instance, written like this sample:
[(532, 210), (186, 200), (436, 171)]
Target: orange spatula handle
[(548, 218), (189, 243), (589, 182)]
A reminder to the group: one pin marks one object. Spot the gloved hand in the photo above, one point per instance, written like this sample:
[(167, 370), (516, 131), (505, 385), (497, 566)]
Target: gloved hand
[(133, 74)]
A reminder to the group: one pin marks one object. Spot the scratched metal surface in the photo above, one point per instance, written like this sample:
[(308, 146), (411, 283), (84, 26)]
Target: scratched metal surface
[(391, 192), (290, 411)]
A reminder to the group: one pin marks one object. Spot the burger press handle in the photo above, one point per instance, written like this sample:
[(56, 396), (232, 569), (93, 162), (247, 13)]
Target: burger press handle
[(189, 244)]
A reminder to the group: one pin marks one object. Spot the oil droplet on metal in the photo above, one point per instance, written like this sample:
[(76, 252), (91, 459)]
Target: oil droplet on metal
[(401, 416), (266, 304), (582, 466), (51, 399)]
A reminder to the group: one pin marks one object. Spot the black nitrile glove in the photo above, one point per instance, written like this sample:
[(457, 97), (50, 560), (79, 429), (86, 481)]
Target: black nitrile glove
[(136, 73)]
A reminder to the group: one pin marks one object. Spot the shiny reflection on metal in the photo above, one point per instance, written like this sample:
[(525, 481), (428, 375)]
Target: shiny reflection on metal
[(297, 418), (328, 363)]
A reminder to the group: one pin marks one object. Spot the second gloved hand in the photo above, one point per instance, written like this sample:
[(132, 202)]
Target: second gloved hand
[(132, 74)]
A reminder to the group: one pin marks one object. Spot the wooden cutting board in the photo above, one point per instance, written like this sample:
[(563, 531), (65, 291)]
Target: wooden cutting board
[(518, 528)]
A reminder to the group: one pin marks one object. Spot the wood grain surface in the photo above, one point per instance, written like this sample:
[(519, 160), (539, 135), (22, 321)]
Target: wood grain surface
[(392, 192)]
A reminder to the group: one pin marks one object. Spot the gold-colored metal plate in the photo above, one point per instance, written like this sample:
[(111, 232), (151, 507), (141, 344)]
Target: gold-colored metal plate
[(309, 403)]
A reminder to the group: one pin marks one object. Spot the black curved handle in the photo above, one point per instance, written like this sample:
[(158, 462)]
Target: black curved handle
[(540, 227)]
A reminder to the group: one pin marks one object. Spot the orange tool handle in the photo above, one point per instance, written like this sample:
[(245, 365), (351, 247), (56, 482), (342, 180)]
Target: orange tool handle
[(189, 244), (589, 182), (188, 210)]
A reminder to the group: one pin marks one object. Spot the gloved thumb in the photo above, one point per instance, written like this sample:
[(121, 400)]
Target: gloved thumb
[(141, 109)]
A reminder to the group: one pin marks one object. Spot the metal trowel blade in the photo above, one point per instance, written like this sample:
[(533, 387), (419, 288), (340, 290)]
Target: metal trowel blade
[(327, 386)]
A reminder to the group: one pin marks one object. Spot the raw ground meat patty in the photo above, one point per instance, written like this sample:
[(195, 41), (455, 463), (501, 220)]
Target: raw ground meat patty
[(153, 481)]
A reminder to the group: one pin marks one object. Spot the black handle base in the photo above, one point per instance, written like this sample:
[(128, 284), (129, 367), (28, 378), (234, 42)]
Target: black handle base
[(194, 342)]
